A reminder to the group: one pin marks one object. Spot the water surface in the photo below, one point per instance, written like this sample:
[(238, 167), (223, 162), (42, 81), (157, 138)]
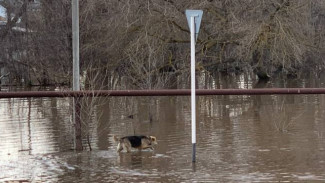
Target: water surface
[(275, 138)]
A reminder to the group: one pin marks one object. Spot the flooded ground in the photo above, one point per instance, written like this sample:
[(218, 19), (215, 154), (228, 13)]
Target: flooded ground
[(275, 138)]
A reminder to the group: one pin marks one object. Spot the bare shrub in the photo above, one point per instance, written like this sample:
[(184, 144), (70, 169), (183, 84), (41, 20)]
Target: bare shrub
[(89, 108)]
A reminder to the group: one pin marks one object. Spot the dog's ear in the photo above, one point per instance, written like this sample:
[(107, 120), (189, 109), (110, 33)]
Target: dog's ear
[(153, 138)]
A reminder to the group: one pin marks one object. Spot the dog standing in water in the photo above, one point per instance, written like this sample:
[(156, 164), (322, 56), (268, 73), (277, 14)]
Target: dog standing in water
[(139, 142)]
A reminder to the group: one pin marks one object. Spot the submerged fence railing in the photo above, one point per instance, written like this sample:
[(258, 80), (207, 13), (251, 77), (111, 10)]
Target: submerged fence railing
[(171, 92)]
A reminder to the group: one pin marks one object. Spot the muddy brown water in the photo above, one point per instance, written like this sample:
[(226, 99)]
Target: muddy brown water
[(271, 138)]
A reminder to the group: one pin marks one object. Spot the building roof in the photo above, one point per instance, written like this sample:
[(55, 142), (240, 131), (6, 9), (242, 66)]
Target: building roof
[(2, 19)]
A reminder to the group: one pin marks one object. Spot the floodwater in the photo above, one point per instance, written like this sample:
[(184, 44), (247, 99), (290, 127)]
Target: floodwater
[(271, 138)]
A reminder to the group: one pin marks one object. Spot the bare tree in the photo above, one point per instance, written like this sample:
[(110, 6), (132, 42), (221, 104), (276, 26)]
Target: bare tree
[(146, 42)]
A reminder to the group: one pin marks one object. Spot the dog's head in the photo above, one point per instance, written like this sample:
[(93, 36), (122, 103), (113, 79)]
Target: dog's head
[(153, 140)]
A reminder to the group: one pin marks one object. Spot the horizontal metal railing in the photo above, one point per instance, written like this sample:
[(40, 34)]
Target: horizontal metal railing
[(172, 92)]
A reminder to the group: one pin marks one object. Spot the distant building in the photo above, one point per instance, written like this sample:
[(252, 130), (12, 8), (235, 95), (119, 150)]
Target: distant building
[(2, 19)]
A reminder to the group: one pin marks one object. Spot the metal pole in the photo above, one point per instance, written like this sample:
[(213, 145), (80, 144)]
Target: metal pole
[(75, 44), (76, 82), (193, 101)]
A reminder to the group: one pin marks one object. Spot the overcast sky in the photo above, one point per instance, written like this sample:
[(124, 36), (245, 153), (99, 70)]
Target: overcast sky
[(2, 11)]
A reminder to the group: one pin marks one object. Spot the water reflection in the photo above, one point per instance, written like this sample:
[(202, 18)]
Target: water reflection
[(240, 138)]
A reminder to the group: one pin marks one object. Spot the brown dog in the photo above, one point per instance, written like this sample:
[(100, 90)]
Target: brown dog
[(139, 142)]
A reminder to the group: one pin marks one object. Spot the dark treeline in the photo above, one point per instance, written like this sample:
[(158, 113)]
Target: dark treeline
[(147, 41)]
